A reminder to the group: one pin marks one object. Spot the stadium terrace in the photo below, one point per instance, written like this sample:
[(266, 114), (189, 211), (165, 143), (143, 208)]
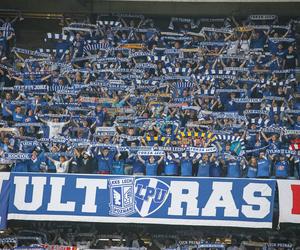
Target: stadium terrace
[(126, 118), (205, 97)]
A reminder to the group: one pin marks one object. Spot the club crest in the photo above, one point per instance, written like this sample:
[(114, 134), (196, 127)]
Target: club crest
[(150, 195), (121, 196)]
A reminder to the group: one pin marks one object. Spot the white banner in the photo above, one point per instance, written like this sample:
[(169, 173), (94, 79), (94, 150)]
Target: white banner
[(289, 201)]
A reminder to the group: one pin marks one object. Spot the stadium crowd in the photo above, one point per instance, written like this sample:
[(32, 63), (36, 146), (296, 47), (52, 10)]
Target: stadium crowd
[(210, 97)]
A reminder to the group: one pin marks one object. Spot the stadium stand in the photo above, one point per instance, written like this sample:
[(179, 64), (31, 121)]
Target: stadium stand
[(209, 97), (205, 97)]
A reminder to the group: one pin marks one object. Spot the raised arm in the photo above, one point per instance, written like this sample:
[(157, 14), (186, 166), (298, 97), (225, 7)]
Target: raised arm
[(235, 22), (8, 110), (228, 37), (118, 155), (264, 136), (87, 79), (19, 56), (10, 36), (68, 161), (17, 78), (141, 159), (45, 78), (52, 160), (16, 18), (123, 21), (160, 159), (65, 123), (214, 64), (156, 129)]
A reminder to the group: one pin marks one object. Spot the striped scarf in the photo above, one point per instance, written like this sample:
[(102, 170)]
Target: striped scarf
[(60, 51), (96, 46), (218, 72), (55, 36), (182, 71), (260, 122), (7, 29), (30, 52), (203, 92), (182, 20), (191, 134), (276, 110), (181, 85), (103, 23), (237, 144), (164, 140), (157, 58), (180, 155)]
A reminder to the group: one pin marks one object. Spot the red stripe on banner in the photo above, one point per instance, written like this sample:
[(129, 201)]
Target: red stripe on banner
[(296, 199)]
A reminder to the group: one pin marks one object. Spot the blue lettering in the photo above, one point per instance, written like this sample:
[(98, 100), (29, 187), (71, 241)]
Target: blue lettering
[(149, 193), (159, 195), (138, 192)]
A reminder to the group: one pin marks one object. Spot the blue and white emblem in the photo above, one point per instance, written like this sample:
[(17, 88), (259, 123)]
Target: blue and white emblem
[(121, 196), (150, 195)]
